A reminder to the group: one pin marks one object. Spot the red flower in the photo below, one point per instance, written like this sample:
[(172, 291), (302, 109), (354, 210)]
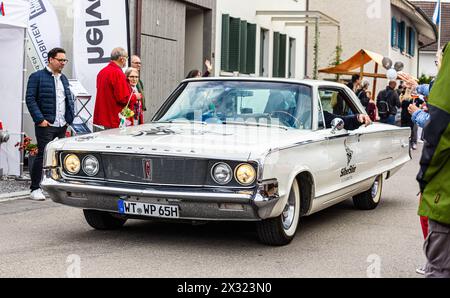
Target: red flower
[(27, 146)]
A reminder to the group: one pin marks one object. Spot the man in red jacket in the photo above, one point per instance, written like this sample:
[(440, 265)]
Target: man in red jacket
[(113, 91)]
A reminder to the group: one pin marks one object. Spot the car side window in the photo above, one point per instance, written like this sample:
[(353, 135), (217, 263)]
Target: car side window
[(336, 101)]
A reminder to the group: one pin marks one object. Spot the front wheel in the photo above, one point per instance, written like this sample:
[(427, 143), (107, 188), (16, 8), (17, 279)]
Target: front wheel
[(281, 230), (100, 220), (370, 199)]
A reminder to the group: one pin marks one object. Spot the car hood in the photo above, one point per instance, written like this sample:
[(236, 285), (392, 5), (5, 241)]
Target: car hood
[(236, 142)]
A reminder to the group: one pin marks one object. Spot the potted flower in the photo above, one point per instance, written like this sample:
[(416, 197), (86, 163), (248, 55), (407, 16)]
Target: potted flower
[(30, 151)]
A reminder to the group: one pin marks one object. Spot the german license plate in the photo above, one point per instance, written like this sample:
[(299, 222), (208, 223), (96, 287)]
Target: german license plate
[(151, 210)]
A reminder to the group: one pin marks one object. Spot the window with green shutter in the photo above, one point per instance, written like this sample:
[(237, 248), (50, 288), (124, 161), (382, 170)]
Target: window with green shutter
[(243, 50), (401, 36), (394, 33), (413, 42), (225, 42), (410, 41), (251, 48), (238, 45), (276, 54), (235, 44), (282, 63)]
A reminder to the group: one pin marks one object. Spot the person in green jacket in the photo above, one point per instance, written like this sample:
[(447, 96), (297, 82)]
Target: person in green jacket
[(434, 175)]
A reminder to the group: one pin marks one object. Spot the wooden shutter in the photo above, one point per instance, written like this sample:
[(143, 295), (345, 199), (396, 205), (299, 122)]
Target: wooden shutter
[(251, 48), (225, 42), (276, 53), (282, 63), (394, 33), (243, 49), (401, 35), (235, 43)]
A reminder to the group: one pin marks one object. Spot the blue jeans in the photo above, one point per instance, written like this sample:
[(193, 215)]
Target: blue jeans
[(388, 120)]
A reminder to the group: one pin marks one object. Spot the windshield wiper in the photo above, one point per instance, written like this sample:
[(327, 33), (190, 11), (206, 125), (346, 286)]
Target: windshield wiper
[(255, 124), (181, 121)]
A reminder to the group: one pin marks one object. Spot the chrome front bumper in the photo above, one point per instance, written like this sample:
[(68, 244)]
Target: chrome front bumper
[(199, 204)]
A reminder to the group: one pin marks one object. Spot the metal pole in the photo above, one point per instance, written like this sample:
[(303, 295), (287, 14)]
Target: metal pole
[(22, 133), (339, 36), (316, 51), (440, 25), (138, 28), (374, 89)]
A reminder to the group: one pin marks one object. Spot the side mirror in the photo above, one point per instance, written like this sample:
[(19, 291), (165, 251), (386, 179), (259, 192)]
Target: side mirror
[(337, 125)]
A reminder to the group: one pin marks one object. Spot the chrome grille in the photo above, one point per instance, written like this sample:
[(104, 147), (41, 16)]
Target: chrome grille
[(165, 170)]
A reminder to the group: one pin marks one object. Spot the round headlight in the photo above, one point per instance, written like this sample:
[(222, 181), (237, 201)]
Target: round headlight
[(245, 174), (90, 165), (72, 164), (222, 173)]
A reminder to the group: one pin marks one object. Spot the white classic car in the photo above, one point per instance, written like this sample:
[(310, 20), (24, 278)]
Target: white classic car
[(263, 150)]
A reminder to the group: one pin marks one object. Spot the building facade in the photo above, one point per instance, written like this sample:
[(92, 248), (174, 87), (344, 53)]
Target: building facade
[(428, 54), (172, 37), (392, 28), (249, 42)]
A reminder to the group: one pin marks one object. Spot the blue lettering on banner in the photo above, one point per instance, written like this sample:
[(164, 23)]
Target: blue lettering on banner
[(40, 45), (37, 8)]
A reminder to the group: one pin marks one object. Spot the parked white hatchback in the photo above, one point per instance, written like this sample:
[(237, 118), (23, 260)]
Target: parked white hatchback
[(262, 150)]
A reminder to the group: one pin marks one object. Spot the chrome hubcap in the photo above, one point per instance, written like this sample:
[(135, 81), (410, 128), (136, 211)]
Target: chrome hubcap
[(289, 212), (375, 188)]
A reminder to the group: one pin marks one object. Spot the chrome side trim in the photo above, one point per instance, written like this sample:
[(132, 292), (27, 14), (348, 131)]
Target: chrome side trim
[(93, 179), (50, 184)]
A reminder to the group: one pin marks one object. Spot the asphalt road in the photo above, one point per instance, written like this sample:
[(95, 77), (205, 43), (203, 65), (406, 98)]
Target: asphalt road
[(43, 239)]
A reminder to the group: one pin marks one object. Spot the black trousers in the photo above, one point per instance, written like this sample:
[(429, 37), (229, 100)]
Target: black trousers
[(44, 135)]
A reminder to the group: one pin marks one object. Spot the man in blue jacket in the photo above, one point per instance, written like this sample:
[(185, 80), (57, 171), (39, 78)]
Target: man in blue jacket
[(49, 101)]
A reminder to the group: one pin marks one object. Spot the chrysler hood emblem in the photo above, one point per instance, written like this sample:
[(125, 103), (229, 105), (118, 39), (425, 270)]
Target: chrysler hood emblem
[(148, 169)]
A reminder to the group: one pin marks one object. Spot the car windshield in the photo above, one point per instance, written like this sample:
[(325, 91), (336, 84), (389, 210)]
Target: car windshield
[(242, 102)]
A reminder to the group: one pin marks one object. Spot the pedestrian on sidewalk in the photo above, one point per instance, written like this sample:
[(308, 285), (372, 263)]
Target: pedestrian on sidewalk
[(372, 107), (362, 93), (405, 119), (136, 63), (388, 102), (355, 83), (434, 175), (132, 75), (195, 73), (50, 104), (113, 92)]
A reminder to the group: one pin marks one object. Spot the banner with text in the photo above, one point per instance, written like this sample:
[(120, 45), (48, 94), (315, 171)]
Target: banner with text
[(44, 32), (99, 27)]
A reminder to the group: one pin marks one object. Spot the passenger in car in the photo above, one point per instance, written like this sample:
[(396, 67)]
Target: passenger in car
[(351, 122)]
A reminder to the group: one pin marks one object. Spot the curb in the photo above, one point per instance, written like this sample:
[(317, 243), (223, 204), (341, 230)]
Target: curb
[(12, 196)]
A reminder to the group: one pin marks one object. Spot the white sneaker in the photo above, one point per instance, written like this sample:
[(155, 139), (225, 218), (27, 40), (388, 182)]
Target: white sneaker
[(421, 270), (37, 195)]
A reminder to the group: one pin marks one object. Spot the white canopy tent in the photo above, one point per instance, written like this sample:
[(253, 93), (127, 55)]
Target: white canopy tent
[(13, 27)]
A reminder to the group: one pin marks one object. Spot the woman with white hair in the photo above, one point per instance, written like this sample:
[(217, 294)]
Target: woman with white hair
[(132, 75)]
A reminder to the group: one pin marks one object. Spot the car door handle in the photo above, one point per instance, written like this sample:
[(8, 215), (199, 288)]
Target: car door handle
[(337, 136)]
